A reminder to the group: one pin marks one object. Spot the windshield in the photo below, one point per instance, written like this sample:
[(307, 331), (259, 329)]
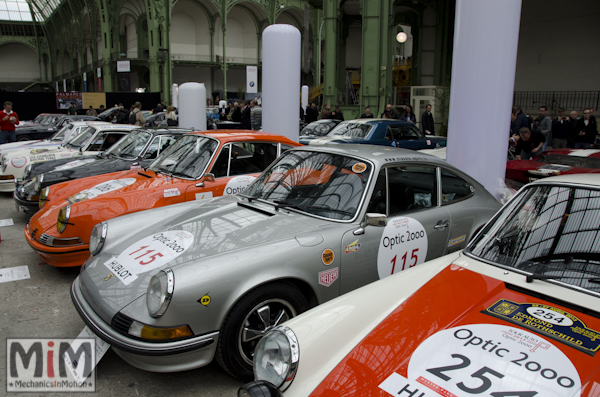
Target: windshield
[(60, 135), (323, 184), (83, 138), (318, 129), (571, 161), (187, 158), (548, 230), (131, 145), (355, 130), (48, 120)]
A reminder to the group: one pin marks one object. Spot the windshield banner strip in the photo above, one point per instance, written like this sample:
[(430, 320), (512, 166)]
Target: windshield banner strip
[(548, 321)]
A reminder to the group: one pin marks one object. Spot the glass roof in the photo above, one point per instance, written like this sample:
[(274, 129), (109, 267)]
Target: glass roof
[(19, 11)]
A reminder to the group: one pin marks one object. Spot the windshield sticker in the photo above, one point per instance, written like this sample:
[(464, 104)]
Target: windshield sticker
[(428, 142), (456, 240), (327, 257), (42, 157), (66, 154), (102, 188), (171, 192), (72, 164), (238, 184), (548, 321), (486, 359), (18, 162), (148, 254), (204, 196), (205, 300), (355, 246), (403, 245), (359, 167), (327, 277), (406, 159), (135, 167), (584, 152)]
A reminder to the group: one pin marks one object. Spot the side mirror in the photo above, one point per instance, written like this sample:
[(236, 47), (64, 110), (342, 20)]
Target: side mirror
[(208, 177), (375, 220)]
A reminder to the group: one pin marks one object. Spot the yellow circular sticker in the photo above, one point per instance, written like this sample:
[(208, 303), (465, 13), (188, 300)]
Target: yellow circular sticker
[(327, 257), (359, 167), (205, 300)]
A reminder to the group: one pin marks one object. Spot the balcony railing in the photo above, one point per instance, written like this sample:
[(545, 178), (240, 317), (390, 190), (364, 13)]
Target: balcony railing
[(569, 100)]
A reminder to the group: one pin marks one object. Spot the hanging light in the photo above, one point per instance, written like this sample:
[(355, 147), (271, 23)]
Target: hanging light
[(401, 37)]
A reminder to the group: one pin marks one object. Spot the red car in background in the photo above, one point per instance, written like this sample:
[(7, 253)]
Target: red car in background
[(554, 162)]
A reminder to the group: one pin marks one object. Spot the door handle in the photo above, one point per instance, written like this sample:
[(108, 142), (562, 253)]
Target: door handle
[(441, 225)]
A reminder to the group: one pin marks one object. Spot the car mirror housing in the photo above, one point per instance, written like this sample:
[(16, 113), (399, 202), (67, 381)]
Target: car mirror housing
[(208, 177), (375, 220)]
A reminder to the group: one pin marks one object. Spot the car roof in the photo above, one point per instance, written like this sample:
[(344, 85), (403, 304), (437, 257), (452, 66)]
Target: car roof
[(378, 121), (77, 123), (166, 131), (378, 154), (583, 179), (116, 127), (240, 135)]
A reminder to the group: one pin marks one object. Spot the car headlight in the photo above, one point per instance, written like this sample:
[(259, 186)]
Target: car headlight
[(27, 171), (4, 163), (44, 196), (63, 218), (276, 357), (37, 182), (97, 237), (160, 292)]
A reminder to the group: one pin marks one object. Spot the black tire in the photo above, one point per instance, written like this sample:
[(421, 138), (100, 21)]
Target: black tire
[(23, 138), (278, 302)]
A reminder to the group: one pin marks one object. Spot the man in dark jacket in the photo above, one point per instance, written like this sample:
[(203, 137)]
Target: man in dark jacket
[(389, 113), (585, 130), (560, 130), (237, 113), (312, 114), (427, 121), (529, 146), (246, 125), (520, 121), (337, 114)]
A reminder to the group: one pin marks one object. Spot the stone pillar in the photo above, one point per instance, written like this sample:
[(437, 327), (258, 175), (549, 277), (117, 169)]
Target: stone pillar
[(483, 78), (371, 49), (330, 28)]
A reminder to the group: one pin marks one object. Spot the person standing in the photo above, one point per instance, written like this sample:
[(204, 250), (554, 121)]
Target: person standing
[(8, 120), (544, 125), (337, 114), (521, 120), (91, 111), (389, 113), (137, 113), (245, 120), (367, 114), (586, 130), (409, 116), (171, 116), (560, 130), (326, 113), (236, 115), (256, 116), (427, 124), (312, 114), (72, 110)]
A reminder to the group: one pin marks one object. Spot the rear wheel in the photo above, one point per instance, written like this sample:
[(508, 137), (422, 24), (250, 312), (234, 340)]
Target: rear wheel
[(23, 138), (248, 321)]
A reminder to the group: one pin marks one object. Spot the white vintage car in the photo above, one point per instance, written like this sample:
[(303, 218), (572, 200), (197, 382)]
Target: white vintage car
[(94, 139), (513, 314)]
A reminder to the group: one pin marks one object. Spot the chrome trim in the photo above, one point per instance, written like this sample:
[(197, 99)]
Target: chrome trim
[(66, 218), (295, 354), (168, 293), (49, 240), (103, 234)]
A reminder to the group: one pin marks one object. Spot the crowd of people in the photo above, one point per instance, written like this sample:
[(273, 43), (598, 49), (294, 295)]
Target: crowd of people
[(530, 138)]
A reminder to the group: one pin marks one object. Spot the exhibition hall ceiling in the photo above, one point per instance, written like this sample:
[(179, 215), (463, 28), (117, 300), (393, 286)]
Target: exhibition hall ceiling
[(21, 10)]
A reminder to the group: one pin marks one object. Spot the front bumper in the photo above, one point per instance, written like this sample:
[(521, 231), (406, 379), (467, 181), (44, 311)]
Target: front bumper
[(8, 185), (72, 256), (174, 356)]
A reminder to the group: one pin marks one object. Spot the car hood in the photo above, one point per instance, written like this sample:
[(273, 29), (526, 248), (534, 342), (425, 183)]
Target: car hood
[(213, 228), (67, 169), (459, 325), (322, 140)]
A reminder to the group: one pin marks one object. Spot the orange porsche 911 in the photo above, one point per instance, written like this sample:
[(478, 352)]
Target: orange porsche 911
[(199, 166)]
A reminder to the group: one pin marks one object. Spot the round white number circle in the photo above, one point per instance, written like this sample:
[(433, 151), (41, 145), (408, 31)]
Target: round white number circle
[(237, 184), (403, 245), (492, 359), (154, 251)]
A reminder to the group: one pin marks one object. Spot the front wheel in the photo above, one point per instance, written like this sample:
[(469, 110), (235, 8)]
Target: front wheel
[(23, 138), (248, 321)]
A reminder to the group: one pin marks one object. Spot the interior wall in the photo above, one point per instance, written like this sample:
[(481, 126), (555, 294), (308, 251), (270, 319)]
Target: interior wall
[(558, 46), (241, 37), (354, 47), (190, 33), (21, 66), (131, 38), (196, 74)]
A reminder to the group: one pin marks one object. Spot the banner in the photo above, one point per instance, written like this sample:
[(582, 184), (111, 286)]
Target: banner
[(93, 99), (64, 99), (251, 79), (123, 66)]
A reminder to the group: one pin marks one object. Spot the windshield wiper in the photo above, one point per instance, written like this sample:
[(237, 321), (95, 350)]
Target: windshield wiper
[(536, 276), (285, 204), (249, 198)]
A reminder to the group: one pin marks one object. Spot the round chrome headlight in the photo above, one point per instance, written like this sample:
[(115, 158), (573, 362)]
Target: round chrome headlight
[(97, 237), (37, 182), (276, 357), (27, 171), (160, 292), (44, 196), (4, 163), (63, 218)]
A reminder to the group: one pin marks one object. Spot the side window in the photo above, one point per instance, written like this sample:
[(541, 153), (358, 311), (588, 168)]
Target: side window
[(407, 132), (248, 158), (110, 140), (96, 144), (454, 188), (152, 151), (165, 142), (221, 164), (411, 187), (378, 202)]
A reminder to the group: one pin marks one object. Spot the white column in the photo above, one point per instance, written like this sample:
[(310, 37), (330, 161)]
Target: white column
[(281, 80), (175, 95), (192, 106), (304, 97), (484, 59)]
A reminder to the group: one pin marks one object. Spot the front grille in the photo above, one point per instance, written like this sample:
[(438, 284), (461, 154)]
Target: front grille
[(33, 234), (121, 324), (43, 238)]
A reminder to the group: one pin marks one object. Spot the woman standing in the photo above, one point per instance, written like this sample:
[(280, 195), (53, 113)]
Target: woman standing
[(171, 116), (409, 115)]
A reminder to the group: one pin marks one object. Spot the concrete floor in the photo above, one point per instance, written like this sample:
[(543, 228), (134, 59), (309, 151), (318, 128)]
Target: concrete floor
[(41, 307)]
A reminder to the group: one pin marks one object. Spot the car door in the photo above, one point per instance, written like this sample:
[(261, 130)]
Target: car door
[(417, 226), (234, 168), (456, 192)]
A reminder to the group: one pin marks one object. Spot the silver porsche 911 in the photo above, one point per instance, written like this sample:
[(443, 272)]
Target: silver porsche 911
[(174, 287)]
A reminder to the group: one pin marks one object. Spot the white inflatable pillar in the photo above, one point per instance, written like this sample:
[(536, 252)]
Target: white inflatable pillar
[(304, 97), (192, 106), (175, 95), (281, 80), (484, 59)]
